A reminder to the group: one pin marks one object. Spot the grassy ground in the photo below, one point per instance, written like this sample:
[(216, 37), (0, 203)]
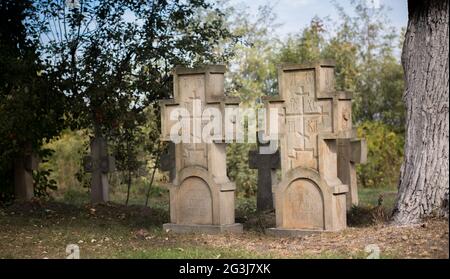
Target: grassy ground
[(44, 229)]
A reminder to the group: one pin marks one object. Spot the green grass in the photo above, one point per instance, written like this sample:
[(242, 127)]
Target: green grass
[(369, 196), (366, 213), (159, 196), (190, 252)]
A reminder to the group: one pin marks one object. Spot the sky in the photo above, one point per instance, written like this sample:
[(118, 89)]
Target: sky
[(294, 15)]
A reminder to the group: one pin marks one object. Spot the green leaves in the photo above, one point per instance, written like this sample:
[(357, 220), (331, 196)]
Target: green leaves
[(31, 107), (384, 158), (43, 183)]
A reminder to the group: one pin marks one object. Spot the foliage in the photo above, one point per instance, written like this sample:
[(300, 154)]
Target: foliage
[(136, 146), (113, 60), (31, 107), (379, 79), (114, 57), (252, 75), (253, 71), (42, 177), (385, 155), (66, 160), (43, 183), (238, 168), (306, 46)]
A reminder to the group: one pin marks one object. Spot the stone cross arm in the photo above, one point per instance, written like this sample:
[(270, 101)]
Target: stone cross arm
[(105, 164), (263, 161), (358, 151)]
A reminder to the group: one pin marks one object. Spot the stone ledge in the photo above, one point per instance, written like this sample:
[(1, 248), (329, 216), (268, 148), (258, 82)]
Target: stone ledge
[(207, 229), (280, 232)]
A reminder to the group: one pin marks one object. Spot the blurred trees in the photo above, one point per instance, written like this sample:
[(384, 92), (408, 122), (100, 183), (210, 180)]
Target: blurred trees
[(31, 107), (385, 155)]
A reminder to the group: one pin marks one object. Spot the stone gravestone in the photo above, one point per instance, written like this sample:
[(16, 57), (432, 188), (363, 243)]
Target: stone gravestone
[(201, 195), (23, 175), (313, 116), (266, 164), (99, 163)]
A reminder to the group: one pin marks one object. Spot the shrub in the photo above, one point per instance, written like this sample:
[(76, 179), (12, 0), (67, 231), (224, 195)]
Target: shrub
[(385, 155), (238, 169)]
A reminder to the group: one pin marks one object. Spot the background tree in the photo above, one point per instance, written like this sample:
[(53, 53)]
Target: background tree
[(423, 187), (114, 57), (252, 74), (31, 107)]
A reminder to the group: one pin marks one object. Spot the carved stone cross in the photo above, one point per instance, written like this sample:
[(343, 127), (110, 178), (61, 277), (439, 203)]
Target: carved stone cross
[(99, 163), (201, 195), (266, 164)]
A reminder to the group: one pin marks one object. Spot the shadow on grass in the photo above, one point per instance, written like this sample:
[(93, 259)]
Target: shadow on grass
[(108, 214)]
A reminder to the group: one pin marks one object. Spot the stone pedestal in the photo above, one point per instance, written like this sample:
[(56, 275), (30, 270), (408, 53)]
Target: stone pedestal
[(206, 229), (313, 117), (201, 195)]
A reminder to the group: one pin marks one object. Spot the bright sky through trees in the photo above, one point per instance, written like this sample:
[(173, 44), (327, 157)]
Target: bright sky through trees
[(295, 15)]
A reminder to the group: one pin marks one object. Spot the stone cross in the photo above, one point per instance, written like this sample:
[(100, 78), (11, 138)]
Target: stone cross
[(99, 163), (266, 164), (201, 195), (313, 116), (351, 151), (23, 175)]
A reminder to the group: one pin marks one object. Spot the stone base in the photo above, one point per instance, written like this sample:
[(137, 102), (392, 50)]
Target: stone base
[(291, 232), (206, 229)]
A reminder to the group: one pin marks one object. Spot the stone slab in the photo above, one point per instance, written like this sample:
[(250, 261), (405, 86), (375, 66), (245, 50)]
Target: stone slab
[(206, 229), (279, 232)]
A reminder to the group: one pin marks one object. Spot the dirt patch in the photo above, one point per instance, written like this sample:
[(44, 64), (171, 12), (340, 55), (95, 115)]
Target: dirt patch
[(427, 240)]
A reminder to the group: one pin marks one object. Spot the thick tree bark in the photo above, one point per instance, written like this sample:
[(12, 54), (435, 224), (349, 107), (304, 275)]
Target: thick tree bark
[(423, 187)]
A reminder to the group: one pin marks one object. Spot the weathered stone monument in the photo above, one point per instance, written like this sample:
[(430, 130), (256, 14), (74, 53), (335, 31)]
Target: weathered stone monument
[(313, 117), (99, 163), (23, 175), (266, 164), (201, 195)]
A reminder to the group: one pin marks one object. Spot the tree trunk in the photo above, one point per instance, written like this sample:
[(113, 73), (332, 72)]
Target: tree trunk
[(423, 187), (128, 187)]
